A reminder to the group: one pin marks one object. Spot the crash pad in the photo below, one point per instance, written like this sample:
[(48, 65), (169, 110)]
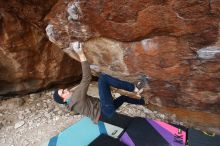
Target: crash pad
[(83, 132)]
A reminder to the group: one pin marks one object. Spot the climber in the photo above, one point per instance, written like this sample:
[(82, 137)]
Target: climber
[(77, 99)]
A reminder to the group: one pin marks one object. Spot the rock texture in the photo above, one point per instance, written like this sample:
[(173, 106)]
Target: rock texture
[(28, 61), (175, 42)]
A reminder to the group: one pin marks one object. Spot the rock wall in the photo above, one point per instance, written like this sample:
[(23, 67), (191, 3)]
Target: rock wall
[(28, 60), (175, 42)]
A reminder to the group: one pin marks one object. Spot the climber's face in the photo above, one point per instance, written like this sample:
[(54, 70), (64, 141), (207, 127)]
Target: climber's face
[(64, 93)]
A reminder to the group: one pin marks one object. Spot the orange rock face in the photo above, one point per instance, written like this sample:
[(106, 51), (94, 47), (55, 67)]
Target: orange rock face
[(28, 61), (176, 43)]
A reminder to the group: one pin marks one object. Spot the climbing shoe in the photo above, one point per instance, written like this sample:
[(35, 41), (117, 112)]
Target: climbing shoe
[(142, 81)]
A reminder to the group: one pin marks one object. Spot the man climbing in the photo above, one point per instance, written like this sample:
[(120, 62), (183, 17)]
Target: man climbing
[(78, 100)]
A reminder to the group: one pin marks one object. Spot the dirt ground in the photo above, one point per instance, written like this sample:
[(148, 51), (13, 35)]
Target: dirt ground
[(32, 119)]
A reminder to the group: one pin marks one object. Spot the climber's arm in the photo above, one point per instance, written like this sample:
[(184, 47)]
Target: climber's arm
[(86, 72)]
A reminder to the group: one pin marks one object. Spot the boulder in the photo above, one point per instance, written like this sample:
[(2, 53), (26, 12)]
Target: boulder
[(28, 60), (176, 43)]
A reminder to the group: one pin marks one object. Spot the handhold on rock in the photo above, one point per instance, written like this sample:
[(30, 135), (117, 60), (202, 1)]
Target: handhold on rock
[(73, 12)]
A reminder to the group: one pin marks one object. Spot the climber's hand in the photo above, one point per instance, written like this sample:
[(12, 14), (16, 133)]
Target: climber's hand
[(77, 47)]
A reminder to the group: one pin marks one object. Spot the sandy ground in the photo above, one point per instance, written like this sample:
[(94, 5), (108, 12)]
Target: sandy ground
[(32, 119)]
